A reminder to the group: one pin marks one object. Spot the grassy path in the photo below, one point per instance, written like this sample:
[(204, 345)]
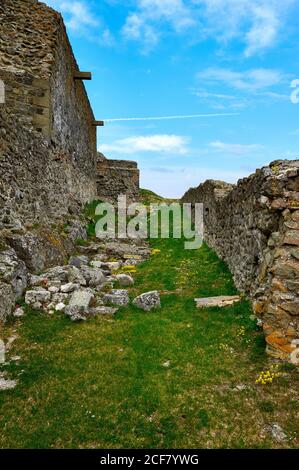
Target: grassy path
[(162, 379)]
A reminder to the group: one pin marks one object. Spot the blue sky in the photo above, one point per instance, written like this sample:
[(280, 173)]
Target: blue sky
[(183, 57)]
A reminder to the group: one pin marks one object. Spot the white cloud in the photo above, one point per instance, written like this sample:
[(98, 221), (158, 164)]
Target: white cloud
[(275, 96), (205, 94), (143, 24), (153, 143), (264, 30), (77, 13), (220, 101), (255, 23), (136, 28), (107, 38), (236, 149), (250, 80)]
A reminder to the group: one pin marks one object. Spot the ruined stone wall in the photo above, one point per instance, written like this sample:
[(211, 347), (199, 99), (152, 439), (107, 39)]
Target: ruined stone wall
[(39, 183), (254, 227), (117, 177), (48, 141), (72, 117)]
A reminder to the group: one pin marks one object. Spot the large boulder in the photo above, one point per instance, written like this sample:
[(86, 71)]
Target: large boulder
[(76, 276), (79, 305), (148, 301), (38, 252), (93, 277), (13, 271), (58, 273), (82, 298), (13, 281)]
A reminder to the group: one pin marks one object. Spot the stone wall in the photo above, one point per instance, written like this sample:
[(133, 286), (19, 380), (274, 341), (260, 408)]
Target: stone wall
[(117, 177), (47, 146), (254, 227), (47, 136)]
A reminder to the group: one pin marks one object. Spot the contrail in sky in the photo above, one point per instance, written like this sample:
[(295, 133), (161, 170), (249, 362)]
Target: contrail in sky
[(162, 118)]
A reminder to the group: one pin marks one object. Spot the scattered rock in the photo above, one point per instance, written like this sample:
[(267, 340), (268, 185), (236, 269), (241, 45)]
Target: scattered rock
[(166, 364), (70, 287), (76, 312), (10, 341), (103, 311), (37, 298), (75, 276), (54, 289), (79, 261), (221, 301), (60, 307), (112, 265), (277, 432), (92, 276), (240, 388), (58, 273), (124, 280), (148, 301), (91, 249), (118, 297), (60, 297), (15, 358), (82, 298), (34, 280), (19, 312), (6, 384), (96, 264)]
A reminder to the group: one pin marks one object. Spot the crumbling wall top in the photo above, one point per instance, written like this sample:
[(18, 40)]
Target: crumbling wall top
[(28, 36)]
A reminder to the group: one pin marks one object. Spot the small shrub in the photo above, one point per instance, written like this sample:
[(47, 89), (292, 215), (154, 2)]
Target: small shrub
[(81, 242), (288, 367), (266, 406), (258, 348), (203, 419)]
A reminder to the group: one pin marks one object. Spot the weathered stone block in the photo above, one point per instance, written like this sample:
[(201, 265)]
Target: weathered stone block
[(148, 301), (118, 297), (221, 301)]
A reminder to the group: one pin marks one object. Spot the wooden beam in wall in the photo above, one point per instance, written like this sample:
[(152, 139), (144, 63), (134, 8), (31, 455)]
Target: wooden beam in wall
[(98, 123), (82, 75)]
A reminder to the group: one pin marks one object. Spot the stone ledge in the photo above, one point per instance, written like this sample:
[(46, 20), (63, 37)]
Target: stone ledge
[(220, 301)]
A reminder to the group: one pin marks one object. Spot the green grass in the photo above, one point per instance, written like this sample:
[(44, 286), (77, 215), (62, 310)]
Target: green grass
[(149, 380), (149, 197)]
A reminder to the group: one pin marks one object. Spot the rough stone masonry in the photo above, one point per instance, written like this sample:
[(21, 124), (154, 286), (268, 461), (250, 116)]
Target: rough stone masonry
[(254, 227), (48, 146), (48, 143)]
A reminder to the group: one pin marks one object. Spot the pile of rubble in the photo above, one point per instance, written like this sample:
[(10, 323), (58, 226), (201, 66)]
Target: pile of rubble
[(93, 283)]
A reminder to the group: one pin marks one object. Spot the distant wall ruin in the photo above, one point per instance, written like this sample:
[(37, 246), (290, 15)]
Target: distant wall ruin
[(254, 227), (117, 177)]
